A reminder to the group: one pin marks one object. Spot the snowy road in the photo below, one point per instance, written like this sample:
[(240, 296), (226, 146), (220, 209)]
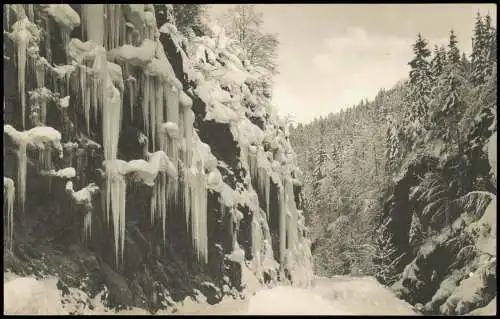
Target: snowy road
[(328, 296)]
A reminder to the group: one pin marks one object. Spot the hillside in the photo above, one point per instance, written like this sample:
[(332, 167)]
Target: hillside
[(142, 161)]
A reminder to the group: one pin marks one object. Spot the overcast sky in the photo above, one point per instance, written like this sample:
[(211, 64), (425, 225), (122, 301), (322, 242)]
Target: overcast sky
[(333, 55)]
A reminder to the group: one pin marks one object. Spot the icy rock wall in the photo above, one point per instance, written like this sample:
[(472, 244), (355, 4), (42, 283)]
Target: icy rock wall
[(97, 81)]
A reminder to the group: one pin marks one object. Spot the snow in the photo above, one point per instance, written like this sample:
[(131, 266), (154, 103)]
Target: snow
[(64, 173), (80, 51), (185, 100), (136, 56), (64, 102), (487, 241), (492, 154), (64, 15), (38, 137), (134, 13), (214, 180), (30, 296), (489, 310), (291, 301), (336, 296)]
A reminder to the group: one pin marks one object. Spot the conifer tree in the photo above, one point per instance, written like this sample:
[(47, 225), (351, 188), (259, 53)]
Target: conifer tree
[(418, 94), (436, 65), (386, 257), (479, 52), (416, 232), (465, 65), (320, 158), (453, 56)]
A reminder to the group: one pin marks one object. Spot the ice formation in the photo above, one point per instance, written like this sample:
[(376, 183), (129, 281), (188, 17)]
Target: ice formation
[(9, 194), (40, 138), (115, 203), (120, 56), (65, 17), (24, 34), (93, 22), (83, 199)]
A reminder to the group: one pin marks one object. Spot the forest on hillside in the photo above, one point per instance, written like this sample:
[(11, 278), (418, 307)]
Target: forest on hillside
[(404, 187)]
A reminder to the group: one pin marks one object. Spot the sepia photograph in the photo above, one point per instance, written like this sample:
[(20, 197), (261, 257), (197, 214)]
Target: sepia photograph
[(250, 159)]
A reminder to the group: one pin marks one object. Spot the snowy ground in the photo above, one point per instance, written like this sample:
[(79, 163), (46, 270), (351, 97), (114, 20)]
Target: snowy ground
[(329, 296)]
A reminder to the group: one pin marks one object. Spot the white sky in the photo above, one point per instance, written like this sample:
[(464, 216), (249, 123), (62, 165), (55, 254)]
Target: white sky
[(332, 56)]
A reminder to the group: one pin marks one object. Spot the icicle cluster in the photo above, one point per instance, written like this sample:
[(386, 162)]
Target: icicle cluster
[(38, 138), (25, 36), (115, 203), (83, 200), (123, 57)]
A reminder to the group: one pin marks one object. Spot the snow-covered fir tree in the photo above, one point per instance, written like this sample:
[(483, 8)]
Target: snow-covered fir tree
[(386, 257), (418, 92)]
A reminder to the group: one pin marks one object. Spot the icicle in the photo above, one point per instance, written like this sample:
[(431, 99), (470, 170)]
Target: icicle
[(112, 117), (31, 12), (22, 161), (256, 236), (152, 110), (282, 223), (131, 86), (9, 194), (268, 193), (48, 37), (85, 92), (163, 203), (93, 24), (87, 226), (65, 35), (7, 15), (197, 185), (45, 158), (154, 204), (186, 193), (22, 40), (160, 106), (188, 133), (145, 102), (114, 36), (116, 191), (172, 104), (40, 83), (172, 113)]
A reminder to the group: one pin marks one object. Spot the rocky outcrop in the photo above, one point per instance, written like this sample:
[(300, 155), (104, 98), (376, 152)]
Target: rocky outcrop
[(454, 271)]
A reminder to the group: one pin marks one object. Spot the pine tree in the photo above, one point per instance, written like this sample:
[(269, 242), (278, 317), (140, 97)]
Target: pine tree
[(386, 257), (465, 65), (392, 141), (416, 233), (436, 65), (320, 158), (450, 107), (479, 52), (491, 42), (418, 95), (453, 56)]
